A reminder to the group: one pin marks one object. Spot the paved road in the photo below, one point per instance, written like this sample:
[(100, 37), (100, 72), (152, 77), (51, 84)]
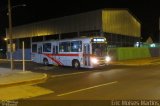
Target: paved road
[(107, 83), (117, 83)]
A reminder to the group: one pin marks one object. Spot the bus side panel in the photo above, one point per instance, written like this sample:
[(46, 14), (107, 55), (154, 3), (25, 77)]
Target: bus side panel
[(66, 59), (70, 59), (52, 59), (62, 60), (36, 57)]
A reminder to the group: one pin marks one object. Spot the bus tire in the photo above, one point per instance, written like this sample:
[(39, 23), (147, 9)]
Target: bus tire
[(45, 62), (75, 64)]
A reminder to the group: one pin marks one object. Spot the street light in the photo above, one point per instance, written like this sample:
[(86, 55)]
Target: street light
[(10, 30), (5, 39), (10, 33)]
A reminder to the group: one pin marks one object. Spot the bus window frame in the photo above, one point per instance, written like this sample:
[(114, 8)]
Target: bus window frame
[(45, 48)]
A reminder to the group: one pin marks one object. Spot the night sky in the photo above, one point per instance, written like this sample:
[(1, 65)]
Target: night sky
[(147, 11)]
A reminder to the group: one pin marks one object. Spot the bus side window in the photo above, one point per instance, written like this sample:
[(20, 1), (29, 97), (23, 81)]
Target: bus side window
[(61, 49), (76, 46), (47, 47), (64, 46)]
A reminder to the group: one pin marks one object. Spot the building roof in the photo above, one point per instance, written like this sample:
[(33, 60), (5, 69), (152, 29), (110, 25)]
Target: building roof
[(119, 21)]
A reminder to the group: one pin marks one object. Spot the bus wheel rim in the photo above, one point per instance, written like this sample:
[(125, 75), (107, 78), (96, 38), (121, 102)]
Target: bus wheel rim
[(76, 64)]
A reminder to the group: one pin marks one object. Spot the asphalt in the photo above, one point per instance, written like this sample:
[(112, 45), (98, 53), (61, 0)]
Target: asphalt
[(9, 78)]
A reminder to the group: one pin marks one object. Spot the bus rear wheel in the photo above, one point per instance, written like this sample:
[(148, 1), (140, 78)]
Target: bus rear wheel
[(75, 64), (45, 62)]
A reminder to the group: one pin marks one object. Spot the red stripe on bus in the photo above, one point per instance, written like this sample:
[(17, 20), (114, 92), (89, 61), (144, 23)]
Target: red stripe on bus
[(65, 54), (71, 55), (53, 59), (61, 54), (68, 54)]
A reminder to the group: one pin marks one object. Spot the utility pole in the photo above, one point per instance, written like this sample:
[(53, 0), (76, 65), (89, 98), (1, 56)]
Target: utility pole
[(10, 33), (159, 30), (23, 54)]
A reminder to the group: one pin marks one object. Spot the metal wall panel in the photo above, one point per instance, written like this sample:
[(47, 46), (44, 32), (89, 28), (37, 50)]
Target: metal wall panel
[(108, 20), (74, 23), (120, 22)]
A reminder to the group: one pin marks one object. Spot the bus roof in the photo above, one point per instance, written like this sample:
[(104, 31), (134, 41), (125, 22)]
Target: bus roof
[(71, 39)]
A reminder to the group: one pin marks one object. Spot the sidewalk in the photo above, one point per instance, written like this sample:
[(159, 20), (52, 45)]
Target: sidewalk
[(137, 62), (8, 77)]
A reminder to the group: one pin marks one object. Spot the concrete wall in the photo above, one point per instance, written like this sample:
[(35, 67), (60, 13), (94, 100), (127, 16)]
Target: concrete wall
[(155, 52), (18, 54)]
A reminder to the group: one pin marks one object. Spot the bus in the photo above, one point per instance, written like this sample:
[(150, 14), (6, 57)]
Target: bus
[(85, 52)]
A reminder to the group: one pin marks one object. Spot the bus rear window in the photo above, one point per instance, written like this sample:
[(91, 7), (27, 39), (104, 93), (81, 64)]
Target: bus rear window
[(34, 47)]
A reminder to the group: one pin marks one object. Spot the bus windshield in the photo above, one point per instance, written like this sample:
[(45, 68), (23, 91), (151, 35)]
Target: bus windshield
[(99, 49)]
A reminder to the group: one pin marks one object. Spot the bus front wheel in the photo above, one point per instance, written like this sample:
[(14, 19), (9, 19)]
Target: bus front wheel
[(45, 62), (75, 64)]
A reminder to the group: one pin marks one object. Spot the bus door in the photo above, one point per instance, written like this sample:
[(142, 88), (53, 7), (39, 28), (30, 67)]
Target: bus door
[(86, 51), (39, 56), (55, 53)]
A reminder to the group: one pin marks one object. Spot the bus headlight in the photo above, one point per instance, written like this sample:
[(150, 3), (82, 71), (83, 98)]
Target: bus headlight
[(108, 58), (94, 60)]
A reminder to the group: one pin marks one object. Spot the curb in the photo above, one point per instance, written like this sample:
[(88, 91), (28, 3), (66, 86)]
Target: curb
[(25, 81)]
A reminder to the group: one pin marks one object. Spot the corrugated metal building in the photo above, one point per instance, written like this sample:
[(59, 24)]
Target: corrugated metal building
[(119, 26)]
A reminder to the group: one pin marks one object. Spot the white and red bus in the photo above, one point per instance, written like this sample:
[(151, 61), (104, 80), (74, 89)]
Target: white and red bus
[(77, 52)]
